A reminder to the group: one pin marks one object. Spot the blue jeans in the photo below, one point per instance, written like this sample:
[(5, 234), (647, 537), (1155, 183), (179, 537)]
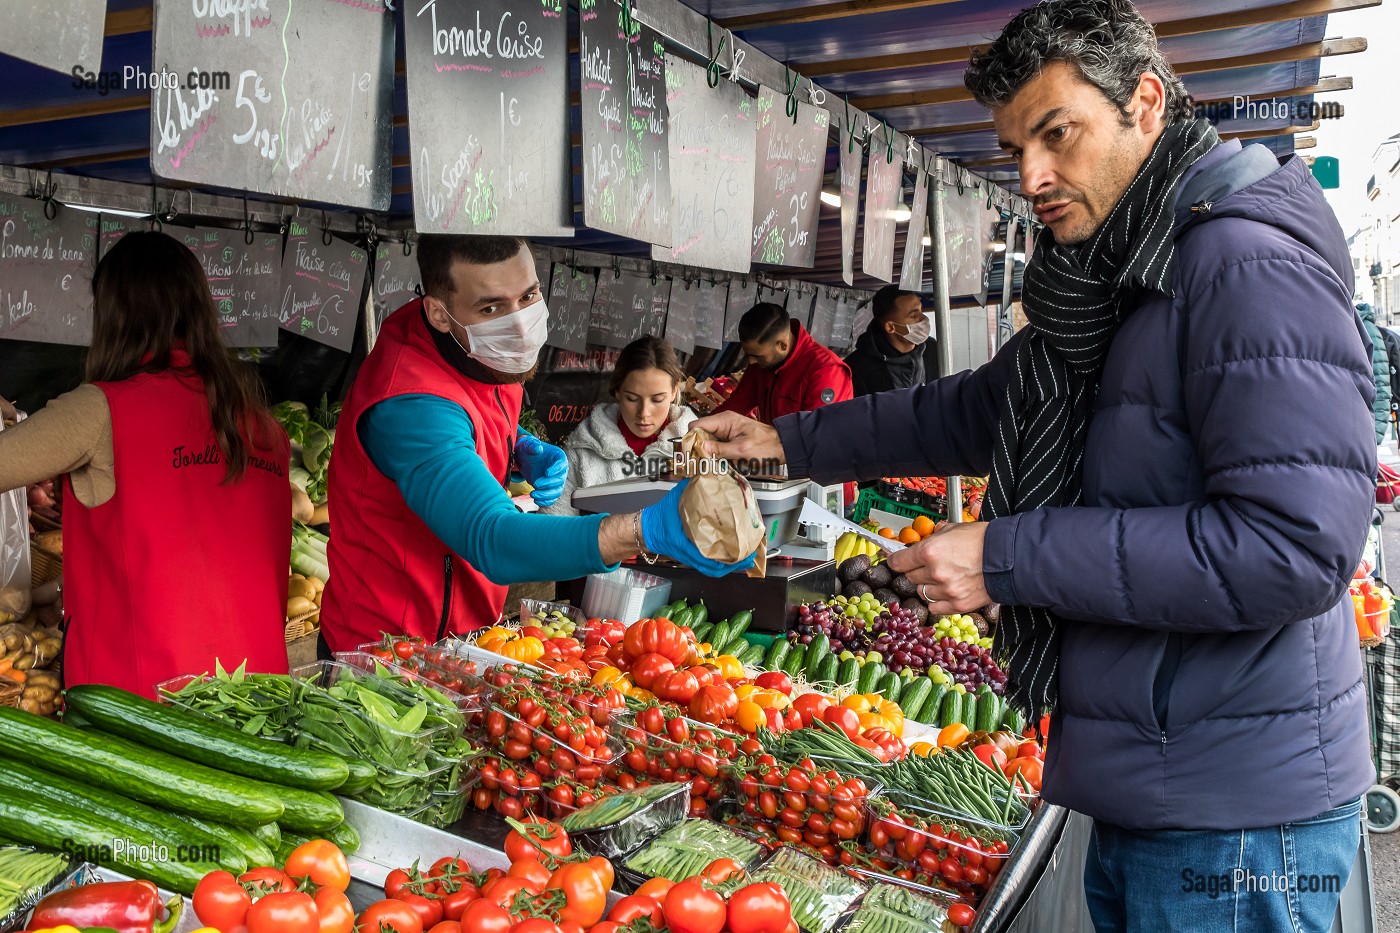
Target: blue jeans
[(1280, 879)]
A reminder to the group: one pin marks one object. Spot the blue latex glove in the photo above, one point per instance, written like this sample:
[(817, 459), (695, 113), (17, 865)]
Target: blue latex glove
[(662, 534), (543, 466)]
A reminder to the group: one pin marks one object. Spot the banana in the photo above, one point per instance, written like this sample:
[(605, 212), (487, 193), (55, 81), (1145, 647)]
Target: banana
[(846, 546)]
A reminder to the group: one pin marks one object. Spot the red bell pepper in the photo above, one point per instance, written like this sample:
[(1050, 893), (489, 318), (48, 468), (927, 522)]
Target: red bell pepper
[(124, 906)]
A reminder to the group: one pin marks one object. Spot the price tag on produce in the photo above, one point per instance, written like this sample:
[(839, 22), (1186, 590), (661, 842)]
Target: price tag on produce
[(813, 514)]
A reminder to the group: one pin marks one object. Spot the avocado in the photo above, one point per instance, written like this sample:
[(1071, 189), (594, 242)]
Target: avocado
[(886, 596), (852, 568), (878, 576), (901, 585), (856, 590), (916, 606), (838, 587)]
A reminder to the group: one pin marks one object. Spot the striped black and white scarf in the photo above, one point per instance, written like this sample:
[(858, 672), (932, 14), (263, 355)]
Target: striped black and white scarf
[(1075, 298)]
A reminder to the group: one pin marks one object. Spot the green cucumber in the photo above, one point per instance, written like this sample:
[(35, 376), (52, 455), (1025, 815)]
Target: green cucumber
[(195, 738), (739, 622), (795, 660), (309, 811), (928, 711), (346, 837), (817, 652), (988, 712), (702, 632), (202, 849), (133, 771), (826, 669), (752, 656), (32, 819), (669, 612), (847, 672), (362, 775), (967, 714), (889, 686), (777, 652), (269, 834), (699, 615), (870, 674), (950, 712), (913, 696), (719, 637), (253, 850), (682, 618), (1014, 720)]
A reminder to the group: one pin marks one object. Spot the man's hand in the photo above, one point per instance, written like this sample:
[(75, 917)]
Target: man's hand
[(740, 438), (947, 567), (544, 467)]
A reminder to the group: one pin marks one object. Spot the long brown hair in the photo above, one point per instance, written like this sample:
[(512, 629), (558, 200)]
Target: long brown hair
[(150, 297), (646, 353)]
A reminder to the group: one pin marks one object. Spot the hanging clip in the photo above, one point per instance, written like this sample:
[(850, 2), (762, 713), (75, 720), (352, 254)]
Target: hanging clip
[(815, 95), (989, 195), (889, 142), (712, 75), (154, 219), (617, 267), (850, 130), (958, 178), (791, 83), (325, 231), (629, 24), (654, 269), (247, 224), (407, 245)]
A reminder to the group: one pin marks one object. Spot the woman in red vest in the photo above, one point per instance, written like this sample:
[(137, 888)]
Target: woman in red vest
[(177, 503)]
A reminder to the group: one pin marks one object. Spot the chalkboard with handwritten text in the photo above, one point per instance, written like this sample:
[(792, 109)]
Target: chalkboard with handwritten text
[(799, 307), (396, 279), (321, 286), (570, 307), (791, 158), (823, 316), (911, 272), (488, 116), (710, 307), (882, 188), (743, 295), (626, 165), (680, 315), (657, 316), (236, 272), (293, 99), (112, 228), (45, 270), (851, 158), (620, 306), (843, 321), (711, 139)]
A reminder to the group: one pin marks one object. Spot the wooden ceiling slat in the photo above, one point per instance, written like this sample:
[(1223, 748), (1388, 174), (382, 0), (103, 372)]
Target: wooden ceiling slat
[(93, 158), (127, 22), (824, 11), (87, 108)]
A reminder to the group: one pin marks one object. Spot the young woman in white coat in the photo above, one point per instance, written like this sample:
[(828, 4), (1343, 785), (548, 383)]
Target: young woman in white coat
[(631, 436)]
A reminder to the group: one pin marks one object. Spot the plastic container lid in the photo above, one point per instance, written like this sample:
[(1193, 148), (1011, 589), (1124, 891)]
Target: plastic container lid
[(471, 700), (603, 755)]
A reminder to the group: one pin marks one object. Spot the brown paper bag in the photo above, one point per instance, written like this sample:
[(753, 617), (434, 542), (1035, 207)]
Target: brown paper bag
[(718, 509)]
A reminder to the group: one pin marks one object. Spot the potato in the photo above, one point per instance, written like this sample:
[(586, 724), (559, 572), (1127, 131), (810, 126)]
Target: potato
[(25, 662), (302, 588), (42, 694), (51, 541), (14, 603), (318, 583), (299, 606), (43, 679)]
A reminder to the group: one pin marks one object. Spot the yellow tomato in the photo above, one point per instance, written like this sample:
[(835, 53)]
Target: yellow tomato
[(770, 699), (612, 677), (525, 650), (953, 735), (729, 666), (746, 691), (875, 708), (923, 749), (749, 716)]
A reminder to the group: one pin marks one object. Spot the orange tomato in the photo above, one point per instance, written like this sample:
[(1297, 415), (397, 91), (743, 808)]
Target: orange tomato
[(749, 716), (952, 735)]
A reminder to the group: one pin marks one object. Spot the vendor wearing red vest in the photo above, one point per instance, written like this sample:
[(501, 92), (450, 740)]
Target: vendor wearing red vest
[(426, 538), (787, 370), (177, 508)]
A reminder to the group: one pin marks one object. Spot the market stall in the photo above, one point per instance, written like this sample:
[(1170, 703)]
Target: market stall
[(811, 724)]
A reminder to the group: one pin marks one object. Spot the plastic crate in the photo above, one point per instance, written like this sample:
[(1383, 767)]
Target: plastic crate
[(870, 499)]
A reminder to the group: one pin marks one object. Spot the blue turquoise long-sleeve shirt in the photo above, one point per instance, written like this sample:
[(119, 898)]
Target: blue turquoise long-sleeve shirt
[(427, 446)]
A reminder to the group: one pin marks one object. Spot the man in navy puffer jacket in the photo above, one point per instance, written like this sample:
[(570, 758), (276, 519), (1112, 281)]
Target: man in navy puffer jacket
[(1185, 594)]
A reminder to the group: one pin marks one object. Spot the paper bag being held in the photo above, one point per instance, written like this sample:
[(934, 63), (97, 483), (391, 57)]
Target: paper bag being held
[(718, 510)]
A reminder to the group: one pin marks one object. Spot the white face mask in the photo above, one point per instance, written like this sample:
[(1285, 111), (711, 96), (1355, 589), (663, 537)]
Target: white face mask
[(918, 333), (508, 344)]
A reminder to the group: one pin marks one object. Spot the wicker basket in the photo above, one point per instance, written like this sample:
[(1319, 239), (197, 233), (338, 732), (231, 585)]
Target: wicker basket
[(302, 626), (44, 566), (10, 693)]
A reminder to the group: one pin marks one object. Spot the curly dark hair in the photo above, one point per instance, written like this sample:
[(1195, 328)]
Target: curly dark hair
[(1108, 41)]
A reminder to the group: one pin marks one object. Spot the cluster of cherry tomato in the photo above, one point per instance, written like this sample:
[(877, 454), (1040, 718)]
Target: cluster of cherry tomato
[(430, 662), (925, 850), (663, 746), (308, 896), (803, 805)]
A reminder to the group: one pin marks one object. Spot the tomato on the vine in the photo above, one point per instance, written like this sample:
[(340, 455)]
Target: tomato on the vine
[(267, 881), (690, 907), (638, 905), (962, 915), (390, 916), (221, 902), (334, 910), (428, 909), (586, 896), (759, 908), (284, 912), (482, 916), (322, 862), (542, 836)]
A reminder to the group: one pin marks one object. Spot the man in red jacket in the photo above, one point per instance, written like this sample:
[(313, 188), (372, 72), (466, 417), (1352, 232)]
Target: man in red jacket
[(787, 371)]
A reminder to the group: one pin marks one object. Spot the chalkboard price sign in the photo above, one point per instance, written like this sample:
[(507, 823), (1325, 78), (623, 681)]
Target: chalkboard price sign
[(710, 305), (882, 186), (799, 307), (743, 295), (657, 316), (488, 117), (256, 287), (570, 307), (911, 273), (620, 306), (823, 317), (221, 259), (45, 269), (396, 279), (680, 315), (787, 191), (626, 165), (293, 99), (322, 286), (851, 157), (711, 138)]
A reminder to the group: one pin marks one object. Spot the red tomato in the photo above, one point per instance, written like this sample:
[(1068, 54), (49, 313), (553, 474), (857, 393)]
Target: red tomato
[(843, 718), (266, 880), (775, 680), (759, 908), (220, 901), (322, 862), (811, 706), (676, 687), (447, 926), (334, 910), (637, 905), (991, 756), (536, 925), (428, 909), (962, 915), (714, 704), (482, 916), (690, 907), (648, 667), (1029, 750), (285, 912)]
